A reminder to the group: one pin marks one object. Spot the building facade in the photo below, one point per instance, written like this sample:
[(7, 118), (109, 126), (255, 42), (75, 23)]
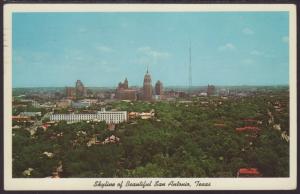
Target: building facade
[(65, 103), (159, 88), (30, 114), (123, 85), (70, 92), (80, 89), (211, 90), (124, 93), (110, 117), (127, 95), (147, 87)]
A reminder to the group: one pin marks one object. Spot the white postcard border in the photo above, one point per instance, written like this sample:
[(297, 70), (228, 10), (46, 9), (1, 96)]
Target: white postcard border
[(88, 183)]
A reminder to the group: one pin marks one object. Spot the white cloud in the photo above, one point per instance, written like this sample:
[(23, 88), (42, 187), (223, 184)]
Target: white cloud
[(248, 31), (153, 53), (227, 46), (104, 49), (256, 52), (285, 39)]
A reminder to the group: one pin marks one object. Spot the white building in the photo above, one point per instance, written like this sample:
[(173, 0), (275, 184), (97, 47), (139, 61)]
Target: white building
[(30, 114), (107, 116)]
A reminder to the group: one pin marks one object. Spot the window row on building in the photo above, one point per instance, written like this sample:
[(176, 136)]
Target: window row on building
[(107, 116)]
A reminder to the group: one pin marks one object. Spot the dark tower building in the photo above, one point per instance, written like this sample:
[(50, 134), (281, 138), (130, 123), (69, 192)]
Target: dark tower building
[(211, 90), (159, 88), (80, 89), (147, 87)]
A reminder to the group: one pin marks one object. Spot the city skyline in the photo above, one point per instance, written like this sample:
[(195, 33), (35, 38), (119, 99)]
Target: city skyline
[(248, 48)]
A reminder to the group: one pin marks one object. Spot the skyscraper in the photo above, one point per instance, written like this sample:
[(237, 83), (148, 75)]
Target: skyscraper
[(80, 89), (210, 90), (124, 93), (159, 88), (147, 87)]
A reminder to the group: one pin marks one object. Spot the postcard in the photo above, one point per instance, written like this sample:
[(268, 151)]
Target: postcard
[(150, 97)]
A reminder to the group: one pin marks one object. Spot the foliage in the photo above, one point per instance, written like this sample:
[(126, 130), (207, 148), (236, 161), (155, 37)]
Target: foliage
[(181, 141)]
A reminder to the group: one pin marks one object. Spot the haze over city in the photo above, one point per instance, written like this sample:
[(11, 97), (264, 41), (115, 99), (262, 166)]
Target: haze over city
[(101, 49)]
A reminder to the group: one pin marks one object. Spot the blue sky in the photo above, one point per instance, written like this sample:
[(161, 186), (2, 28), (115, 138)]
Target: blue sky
[(101, 49)]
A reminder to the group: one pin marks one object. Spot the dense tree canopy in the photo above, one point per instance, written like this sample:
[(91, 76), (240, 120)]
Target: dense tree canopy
[(182, 140)]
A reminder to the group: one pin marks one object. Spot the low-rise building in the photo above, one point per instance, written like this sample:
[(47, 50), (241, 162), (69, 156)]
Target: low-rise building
[(30, 114), (248, 172), (111, 139), (64, 103), (107, 116), (21, 118), (142, 115), (248, 128)]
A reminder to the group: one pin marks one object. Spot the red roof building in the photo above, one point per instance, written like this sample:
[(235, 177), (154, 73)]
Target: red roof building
[(248, 172), (45, 126), (248, 128)]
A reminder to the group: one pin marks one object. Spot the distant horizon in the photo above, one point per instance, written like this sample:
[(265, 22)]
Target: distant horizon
[(227, 48), (174, 86)]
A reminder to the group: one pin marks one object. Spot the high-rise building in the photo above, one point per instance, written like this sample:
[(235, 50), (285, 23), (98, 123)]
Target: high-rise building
[(159, 88), (80, 89), (123, 85), (211, 90), (147, 87), (124, 93)]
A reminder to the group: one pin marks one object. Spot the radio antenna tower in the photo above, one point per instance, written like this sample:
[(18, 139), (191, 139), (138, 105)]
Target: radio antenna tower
[(190, 68)]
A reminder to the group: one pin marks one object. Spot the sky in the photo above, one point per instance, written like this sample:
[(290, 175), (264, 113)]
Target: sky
[(102, 49)]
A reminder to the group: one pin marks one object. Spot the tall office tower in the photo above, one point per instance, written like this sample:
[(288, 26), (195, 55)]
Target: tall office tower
[(211, 90), (80, 89), (147, 87), (159, 88)]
